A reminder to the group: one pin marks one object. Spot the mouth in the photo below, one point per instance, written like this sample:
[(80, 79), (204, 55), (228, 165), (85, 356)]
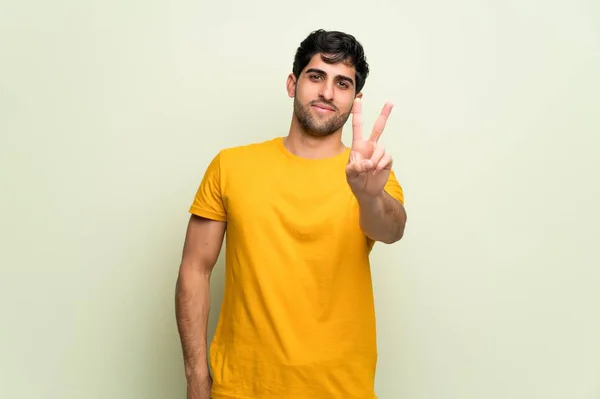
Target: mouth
[(323, 108)]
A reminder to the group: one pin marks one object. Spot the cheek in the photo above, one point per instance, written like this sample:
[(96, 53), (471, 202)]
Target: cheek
[(302, 94), (346, 107)]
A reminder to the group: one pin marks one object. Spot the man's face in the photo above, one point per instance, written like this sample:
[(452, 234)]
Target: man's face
[(323, 96)]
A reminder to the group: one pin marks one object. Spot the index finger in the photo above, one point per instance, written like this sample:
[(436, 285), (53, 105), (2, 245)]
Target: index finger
[(357, 120), (381, 121)]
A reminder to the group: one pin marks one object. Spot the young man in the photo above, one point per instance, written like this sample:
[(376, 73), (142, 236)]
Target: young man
[(302, 213)]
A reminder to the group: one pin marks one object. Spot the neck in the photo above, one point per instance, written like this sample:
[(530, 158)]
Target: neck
[(305, 145)]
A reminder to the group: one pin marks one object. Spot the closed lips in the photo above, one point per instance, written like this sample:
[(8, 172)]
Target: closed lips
[(322, 106)]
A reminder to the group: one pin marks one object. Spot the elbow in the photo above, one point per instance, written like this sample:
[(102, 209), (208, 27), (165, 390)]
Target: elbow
[(396, 235), (191, 285), (389, 238), (399, 231), (190, 275), (197, 266), (393, 238), (387, 235)]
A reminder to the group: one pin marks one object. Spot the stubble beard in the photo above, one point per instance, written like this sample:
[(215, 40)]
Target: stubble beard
[(315, 127)]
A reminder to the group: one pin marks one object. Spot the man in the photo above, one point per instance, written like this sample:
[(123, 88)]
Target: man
[(302, 213)]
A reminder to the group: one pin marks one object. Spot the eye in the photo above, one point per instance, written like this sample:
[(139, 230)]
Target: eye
[(343, 84), (315, 77)]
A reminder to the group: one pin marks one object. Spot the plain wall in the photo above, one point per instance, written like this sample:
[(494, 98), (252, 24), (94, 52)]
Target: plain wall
[(111, 110)]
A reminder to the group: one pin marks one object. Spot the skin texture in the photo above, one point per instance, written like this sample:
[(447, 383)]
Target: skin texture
[(203, 242)]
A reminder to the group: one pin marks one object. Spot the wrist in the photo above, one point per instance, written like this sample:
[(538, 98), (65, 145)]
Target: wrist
[(367, 199)]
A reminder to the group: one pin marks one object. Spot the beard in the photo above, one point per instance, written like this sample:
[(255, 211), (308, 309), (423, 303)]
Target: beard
[(315, 126)]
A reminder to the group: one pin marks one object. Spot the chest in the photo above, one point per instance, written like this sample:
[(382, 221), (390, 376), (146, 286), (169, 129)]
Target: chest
[(306, 204)]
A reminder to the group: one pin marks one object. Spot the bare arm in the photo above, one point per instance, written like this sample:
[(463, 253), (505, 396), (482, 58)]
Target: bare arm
[(382, 218), (202, 246)]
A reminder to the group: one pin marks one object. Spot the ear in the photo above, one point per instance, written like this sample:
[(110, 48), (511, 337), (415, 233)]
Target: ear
[(291, 85), (359, 95)]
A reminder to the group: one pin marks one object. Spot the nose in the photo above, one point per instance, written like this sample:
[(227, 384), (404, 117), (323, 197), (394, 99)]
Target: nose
[(326, 91)]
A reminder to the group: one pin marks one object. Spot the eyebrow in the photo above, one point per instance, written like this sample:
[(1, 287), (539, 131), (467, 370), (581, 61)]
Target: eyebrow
[(340, 77)]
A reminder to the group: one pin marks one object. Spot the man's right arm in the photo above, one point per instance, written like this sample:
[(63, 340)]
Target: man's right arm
[(203, 242)]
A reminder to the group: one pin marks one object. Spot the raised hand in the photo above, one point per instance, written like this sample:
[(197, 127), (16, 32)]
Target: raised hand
[(369, 165)]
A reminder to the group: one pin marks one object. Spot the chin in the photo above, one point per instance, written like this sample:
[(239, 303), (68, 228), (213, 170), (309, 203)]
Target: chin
[(316, 125), (319, 134), (323, 130)]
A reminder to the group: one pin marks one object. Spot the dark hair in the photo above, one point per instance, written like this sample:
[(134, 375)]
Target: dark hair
[(339, 47)]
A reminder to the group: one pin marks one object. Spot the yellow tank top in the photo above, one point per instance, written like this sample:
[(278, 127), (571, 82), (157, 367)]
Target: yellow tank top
[(297, 319)]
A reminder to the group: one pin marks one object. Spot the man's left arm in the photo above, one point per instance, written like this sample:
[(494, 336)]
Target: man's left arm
[(382, 218), (371, 178)]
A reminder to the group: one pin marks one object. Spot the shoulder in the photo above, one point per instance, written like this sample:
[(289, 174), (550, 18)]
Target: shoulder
[(231, 157)]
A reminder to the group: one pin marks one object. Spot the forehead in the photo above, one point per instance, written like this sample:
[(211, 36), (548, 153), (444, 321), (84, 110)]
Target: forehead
[(340, 68)]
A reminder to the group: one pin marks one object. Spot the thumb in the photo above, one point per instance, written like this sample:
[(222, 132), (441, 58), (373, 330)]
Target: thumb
[(353, 169)]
